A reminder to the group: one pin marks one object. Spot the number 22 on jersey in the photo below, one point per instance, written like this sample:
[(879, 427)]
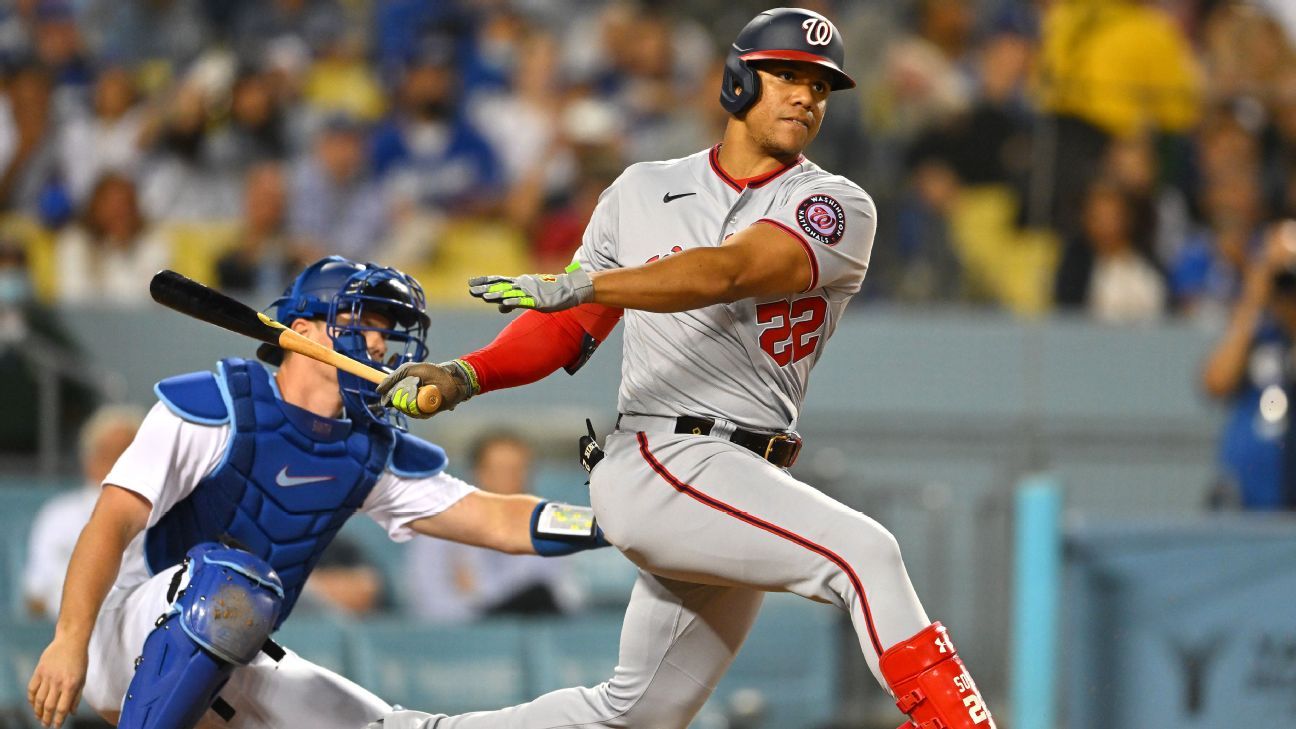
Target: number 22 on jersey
[(790, 329)]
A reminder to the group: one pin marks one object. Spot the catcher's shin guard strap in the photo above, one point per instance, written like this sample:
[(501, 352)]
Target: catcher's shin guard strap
[(931, 684)]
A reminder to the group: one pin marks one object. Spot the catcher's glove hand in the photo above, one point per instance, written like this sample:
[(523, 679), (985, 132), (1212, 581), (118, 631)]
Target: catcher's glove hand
[(543, 292), (455, 379)]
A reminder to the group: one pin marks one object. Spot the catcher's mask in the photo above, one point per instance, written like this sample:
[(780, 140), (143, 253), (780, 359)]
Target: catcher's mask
[(340, 292)]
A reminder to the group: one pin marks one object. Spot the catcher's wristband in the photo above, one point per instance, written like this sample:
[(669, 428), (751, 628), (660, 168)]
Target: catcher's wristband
[(561, 529)]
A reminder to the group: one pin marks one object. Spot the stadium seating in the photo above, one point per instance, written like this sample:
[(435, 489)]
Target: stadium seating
[(790, 659), (21, 502), (449, 669), (324, 641), (581, 652)]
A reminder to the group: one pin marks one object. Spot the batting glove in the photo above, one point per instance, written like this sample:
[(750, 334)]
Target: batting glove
[(544, 292), (455, 379)]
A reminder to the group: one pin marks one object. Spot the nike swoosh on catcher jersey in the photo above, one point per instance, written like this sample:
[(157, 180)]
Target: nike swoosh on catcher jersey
[(283, 479), (669, 197)]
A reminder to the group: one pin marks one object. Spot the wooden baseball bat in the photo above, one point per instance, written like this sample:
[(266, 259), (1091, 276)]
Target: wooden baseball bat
[(194, 299)]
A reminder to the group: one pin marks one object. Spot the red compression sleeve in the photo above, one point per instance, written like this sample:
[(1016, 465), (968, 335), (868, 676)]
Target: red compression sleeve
[(534, 345)]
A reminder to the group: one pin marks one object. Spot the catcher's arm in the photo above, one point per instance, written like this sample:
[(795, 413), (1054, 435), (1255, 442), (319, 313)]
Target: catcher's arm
[(515, 524)]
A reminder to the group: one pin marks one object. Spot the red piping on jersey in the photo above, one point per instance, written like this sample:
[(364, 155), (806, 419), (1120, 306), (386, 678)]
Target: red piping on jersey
[(759, 523), (745, 182), (814, 263)]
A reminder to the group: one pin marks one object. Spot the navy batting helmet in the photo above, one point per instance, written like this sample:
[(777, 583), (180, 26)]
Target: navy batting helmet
[(785, 34)]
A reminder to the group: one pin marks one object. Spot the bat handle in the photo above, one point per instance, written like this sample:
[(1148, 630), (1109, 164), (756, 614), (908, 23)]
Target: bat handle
[(429, 399)]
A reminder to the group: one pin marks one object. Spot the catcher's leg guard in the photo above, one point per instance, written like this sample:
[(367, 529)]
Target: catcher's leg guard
[(218, 622), (931, 685)]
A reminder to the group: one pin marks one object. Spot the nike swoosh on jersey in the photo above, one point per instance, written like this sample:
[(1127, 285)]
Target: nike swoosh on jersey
[(669, 197), (283, 479)]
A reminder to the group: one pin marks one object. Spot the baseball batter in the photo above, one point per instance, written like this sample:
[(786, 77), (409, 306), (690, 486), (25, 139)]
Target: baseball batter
[(209, 524), (733, 267)]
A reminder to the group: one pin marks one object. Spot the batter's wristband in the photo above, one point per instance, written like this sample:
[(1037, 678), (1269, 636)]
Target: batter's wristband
[(470, 375)]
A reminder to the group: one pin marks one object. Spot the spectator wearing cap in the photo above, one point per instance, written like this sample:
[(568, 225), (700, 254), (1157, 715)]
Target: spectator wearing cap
[(428, 150), (60, 48), (58, 523), (335, 206)]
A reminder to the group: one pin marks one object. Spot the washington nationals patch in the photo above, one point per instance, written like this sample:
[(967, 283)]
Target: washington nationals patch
[(822, 218)]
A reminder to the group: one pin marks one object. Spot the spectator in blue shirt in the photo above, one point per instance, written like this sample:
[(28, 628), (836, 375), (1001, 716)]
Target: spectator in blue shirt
[(429, 151), (1206, 274), (1251, 369)]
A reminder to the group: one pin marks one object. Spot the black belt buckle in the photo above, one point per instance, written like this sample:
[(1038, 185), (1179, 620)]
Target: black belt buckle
[(782, 449)]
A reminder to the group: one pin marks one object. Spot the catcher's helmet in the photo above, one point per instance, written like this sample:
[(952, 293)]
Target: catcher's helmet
[(335, 285), (788, 34)]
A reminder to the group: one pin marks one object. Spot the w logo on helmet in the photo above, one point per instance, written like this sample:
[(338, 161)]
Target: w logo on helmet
[(819, 32)]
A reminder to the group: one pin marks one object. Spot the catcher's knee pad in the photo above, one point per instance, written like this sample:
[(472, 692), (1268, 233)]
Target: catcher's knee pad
[(218, 622), (931, 684)]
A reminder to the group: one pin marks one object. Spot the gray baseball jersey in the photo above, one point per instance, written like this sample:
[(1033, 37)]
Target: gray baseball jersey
[(711, 525), (749, 361)]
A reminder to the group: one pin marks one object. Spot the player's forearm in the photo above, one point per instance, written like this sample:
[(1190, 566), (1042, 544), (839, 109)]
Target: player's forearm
[(1226, 364), (514, 533), (682, 281), (93, 569)]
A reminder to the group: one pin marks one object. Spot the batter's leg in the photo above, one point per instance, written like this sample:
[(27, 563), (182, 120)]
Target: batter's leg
[(705, 510), (677, 641)]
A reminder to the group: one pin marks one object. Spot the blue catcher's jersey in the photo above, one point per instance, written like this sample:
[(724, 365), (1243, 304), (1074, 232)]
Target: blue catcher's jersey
[(289, 479)]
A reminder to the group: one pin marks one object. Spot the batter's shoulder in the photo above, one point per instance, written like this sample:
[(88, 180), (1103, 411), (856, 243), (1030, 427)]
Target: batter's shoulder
[(812, 178), (647, 172)]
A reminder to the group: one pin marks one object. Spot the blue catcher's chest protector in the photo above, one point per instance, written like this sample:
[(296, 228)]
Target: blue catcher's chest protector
[(288, 481)]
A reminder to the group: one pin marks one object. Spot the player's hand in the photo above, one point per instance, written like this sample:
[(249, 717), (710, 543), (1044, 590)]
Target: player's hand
[(1279, 252), (55, 687), (545, 292), (455, 379)]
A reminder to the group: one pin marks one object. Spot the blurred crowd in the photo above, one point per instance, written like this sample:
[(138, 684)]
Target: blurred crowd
[(1120, 158)]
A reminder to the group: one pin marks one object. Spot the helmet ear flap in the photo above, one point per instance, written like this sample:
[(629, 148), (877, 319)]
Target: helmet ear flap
[(740, 87)]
